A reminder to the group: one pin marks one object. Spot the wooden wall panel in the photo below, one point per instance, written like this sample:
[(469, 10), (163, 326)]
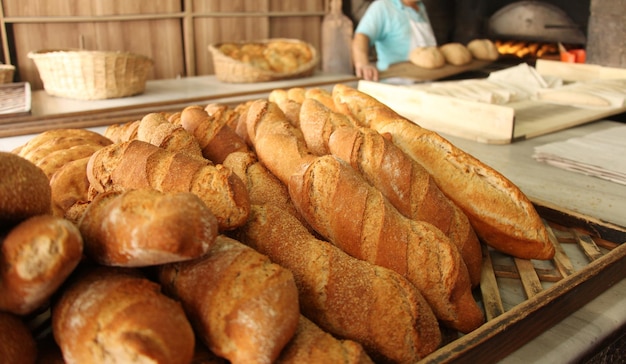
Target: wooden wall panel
[(47, 8), (159, 39)]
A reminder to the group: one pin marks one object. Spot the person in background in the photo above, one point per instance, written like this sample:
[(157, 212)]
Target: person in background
[(394, 28)]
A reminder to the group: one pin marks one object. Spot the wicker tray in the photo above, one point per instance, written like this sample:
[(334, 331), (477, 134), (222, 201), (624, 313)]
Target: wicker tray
[(91, 75), (590, 256), (230, 70)]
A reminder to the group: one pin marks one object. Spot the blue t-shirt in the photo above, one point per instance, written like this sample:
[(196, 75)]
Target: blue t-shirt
[(387, 24)]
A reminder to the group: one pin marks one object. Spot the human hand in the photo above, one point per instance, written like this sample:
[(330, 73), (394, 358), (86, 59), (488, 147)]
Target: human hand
[(366, 72)]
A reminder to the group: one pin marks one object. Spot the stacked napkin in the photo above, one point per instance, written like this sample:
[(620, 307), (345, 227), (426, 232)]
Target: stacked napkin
[(599, 154)]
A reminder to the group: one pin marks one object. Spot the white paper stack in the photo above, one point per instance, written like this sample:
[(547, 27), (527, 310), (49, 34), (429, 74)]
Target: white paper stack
[(599, 154)]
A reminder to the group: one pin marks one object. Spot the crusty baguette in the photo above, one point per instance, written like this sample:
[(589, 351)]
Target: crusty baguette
[(243, 307), (289, 106), (136, 164), (352, 214), (55, 160), (498, 210), (345, 296), (216, 139), (145, 227), (69, 185), (17, 344), (116, 315), (24, 190), (279, 145), (310, 344), (122, 132), (35, 259), (408, 187), (154, 128), (317, 123)]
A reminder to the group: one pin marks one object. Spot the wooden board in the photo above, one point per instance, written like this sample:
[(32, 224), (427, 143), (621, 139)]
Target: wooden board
[(590, 259), (411, 72)]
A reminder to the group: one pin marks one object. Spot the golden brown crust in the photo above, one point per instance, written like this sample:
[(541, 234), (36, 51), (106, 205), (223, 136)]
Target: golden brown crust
[(17, 344), (122, 132), (69, 185), (36, 258), (154, 128), (24, 190), (311, 344), (347, 297), (243, 307), (138, 164), (331, 196), (499, 212), (55, 139), (119, 314), (145, 227)]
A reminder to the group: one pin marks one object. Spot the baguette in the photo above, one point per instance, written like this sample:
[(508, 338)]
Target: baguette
[(136, 164), (154, 128), (216, 139), (145, 227), (243, 307), (349, 298), (317, 123), (289, 106), (24, 190), (408, 187), (502, 216), (331, 196), (122, 132), (116, 315), (311, 344), (36, 257)]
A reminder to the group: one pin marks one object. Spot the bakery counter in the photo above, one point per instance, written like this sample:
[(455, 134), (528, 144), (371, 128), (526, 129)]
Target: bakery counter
[(48, 112)]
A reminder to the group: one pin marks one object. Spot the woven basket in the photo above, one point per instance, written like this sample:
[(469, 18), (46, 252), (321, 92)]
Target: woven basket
[(6, 73), (230, 70), (91, 75)]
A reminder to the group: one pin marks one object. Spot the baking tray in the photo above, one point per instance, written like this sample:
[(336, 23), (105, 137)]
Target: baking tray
[(590, 258)]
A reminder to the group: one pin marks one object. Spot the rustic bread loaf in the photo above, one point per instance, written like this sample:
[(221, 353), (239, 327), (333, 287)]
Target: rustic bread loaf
[(347, 297), (56, 139), (216, 139), (145, 227), (290, 107), (55, 160), (35, 259), (116, 315), (69, 185), (408, 187), (500, 213), (243, 307), (331, 196), (17, 344), (154, 128), (317, 124), (456, 54), (483, 49), (427, 57), (311, 344), (122, 132), (24, 190), (136, 164)]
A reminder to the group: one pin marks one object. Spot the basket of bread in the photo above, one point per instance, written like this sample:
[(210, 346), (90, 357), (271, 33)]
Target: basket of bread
[(90, 74), (263, 60), (340, 232)]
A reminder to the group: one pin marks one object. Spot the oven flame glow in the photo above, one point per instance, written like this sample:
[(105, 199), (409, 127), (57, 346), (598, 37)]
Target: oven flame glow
[(524, 49)]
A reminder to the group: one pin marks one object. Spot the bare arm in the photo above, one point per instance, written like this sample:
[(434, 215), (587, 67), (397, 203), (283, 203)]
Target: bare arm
[(360, 51)]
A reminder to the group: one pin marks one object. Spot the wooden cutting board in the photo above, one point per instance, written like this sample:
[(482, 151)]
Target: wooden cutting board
[(411, 72), (337, 34)]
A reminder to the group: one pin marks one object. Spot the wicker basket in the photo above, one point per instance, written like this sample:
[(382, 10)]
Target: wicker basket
[(230, 70), (91, 75), (7, 72)]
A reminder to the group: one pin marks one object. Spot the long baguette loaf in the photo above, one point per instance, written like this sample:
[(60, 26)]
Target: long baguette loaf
[(408, 187), (317, 123), (36, 257), (498, 210), (116, 315), (136, 164), (349, 212), (145, 227), (310, 344), (347, 297), (154, 128), (243, 307)]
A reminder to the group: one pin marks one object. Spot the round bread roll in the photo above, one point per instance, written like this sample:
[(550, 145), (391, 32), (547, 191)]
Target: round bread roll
[(483, 49), (17, 344), (35, 259), (24, 190), (427, 57), (456, 54)]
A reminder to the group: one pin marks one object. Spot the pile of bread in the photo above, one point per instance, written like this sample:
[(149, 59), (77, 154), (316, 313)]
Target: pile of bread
[(454, 53), (311, 226), (276, 55)]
